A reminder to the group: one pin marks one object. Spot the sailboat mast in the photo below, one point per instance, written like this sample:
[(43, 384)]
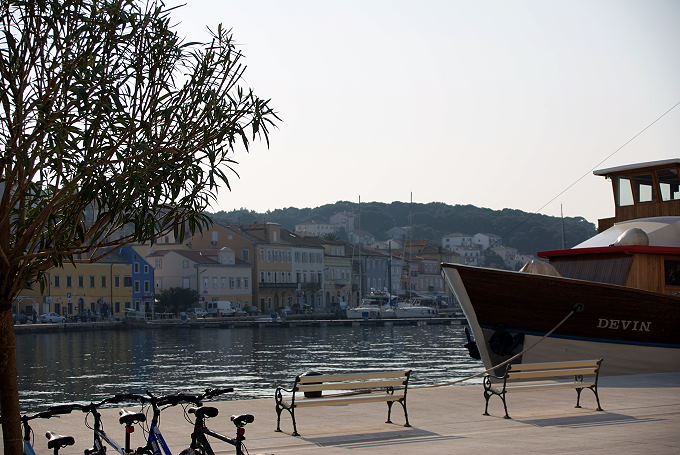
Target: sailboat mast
[(361, 268)]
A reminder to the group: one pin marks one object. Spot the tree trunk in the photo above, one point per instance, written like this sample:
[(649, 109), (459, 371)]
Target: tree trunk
[(9, 393)]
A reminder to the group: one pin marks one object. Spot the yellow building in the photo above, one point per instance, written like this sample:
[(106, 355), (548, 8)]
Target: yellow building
[(83, 291)]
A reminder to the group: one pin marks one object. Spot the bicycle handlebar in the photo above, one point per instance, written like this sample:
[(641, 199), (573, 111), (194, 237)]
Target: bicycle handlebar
[(211, 393)]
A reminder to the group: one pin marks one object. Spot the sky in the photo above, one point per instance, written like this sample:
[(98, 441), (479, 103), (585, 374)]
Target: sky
[(498, 104)]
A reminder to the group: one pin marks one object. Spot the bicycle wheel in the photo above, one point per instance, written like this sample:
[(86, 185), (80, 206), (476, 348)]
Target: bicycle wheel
[(191, 451)]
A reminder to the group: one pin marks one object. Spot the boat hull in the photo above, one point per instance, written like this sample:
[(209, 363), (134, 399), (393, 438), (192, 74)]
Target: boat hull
[(634, 331)]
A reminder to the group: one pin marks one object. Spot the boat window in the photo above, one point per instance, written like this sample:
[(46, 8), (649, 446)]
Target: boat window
[(624, 192), (669, 184), (672, 272), (643, 189)]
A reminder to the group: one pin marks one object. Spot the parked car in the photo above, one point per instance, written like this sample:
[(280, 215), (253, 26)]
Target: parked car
[(20, 318), (199, 312), (252, 310), (285, 310), (51, 317)]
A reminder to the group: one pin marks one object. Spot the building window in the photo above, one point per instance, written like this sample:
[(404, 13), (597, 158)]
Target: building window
[(214, 281), (91, 281), (146, 286), (146, 269), (238, 283), (262, 277), (246, 284), (223, 282), (127, 281), (56, 281), (68, 281), (159, 263), (245, 255), (80, 281), (116, 281), (185, 263), (231, 282), (136, 268), (103, 281), (136, 285)]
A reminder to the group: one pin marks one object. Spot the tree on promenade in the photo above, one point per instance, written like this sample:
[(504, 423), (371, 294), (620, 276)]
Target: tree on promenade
[(175, 300), (113, 130)]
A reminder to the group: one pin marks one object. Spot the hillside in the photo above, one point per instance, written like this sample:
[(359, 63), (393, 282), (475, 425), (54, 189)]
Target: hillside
[(525, 231)]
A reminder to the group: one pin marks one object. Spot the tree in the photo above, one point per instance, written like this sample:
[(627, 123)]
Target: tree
[(113, 130), (174, 300)]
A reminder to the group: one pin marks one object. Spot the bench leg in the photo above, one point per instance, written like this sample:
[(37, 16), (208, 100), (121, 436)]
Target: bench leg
[(403, 405), (597, 397), (578, 398), (279, 409), (505, 406), (402, 402), (488, 395), (389, 411)]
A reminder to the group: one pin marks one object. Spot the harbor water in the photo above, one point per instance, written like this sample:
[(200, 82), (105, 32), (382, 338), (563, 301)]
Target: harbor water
[(86, 366)]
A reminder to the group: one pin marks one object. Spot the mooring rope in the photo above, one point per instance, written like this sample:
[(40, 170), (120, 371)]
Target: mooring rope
[(576, 309)]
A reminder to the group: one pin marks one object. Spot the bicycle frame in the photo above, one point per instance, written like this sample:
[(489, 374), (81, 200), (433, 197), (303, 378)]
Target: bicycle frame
[(99, 434), (199, 440), (155, 441)]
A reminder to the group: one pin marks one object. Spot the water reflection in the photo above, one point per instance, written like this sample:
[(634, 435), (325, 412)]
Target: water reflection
[(84, 366)]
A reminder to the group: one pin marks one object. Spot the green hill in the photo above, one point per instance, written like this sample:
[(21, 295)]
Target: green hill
[(525, 231)]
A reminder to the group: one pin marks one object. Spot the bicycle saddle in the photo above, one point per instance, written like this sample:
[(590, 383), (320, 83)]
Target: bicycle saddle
[(243, 419), (57, 440), (129, 417), (204, 411)]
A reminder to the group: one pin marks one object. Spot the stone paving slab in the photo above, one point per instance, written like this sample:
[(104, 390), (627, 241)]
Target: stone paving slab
[(642, 416)]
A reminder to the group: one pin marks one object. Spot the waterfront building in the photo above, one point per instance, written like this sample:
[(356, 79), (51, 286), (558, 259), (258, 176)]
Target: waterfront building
[(337, 281), (83, 290), (422, 275), (143, 295), (213, 274), (287, 270)]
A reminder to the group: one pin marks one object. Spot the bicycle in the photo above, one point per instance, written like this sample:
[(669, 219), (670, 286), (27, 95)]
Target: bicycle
[(55, 441), (127, 418), (199, 442), (155, 444)]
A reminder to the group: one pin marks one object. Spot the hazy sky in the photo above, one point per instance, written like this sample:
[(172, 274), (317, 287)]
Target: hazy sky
[(491, 103)]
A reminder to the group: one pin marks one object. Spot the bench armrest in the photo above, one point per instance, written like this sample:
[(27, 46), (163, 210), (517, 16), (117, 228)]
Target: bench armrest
[(283, 389)]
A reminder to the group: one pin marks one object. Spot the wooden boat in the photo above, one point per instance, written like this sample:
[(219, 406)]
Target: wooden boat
[(621, 287)]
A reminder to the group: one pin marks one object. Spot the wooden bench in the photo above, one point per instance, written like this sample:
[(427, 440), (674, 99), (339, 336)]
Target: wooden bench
[(308, 390), (525, 377)]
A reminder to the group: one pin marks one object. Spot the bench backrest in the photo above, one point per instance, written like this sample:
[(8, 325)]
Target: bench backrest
[(542, 370), (352, 381)]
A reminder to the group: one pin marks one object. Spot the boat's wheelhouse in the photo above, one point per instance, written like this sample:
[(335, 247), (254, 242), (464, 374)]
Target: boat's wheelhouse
[(643, 190)]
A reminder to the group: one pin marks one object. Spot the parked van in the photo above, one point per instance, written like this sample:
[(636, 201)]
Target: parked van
[(219, 308)]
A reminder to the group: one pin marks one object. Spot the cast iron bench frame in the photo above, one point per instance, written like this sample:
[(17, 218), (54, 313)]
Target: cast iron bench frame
[(380, 386), (521, 377)]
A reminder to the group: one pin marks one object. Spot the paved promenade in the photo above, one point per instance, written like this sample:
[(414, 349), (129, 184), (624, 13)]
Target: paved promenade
[(642, 416)]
